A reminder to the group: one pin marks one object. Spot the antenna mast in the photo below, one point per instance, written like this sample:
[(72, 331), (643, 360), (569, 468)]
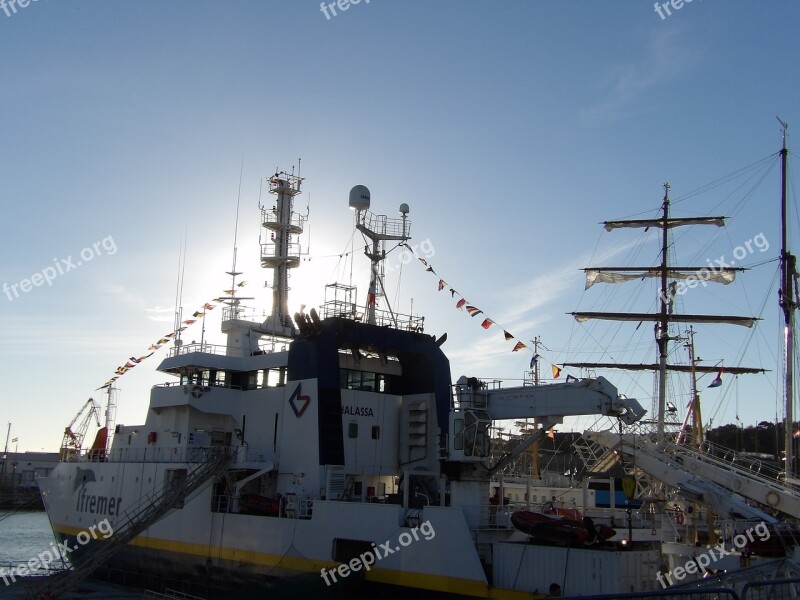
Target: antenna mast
[(282, 252), (379, 229), (788, 304)]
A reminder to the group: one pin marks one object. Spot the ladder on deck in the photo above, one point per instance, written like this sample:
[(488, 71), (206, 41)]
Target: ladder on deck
[(152, 507)]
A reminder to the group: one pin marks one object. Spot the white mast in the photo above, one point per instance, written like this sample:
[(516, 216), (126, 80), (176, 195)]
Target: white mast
[(283, 251), (379, 229)]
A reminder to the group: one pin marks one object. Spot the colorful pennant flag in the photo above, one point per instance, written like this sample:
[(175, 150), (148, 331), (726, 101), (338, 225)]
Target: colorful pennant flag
[(422, 260), (135, 360), (208, 306), (487, 323), (154, 346), (556, 371), (460, 304), (534, 360), (717, 380), (453, 293), (441, 284), (552, 433), (162, 341), (242, 283), (571, 378), (507, 335), (229, 292), (473, 310), (519, 346), (189, 321)]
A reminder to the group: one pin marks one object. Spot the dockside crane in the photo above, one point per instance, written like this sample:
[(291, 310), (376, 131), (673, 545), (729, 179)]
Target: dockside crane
[(74, 435)]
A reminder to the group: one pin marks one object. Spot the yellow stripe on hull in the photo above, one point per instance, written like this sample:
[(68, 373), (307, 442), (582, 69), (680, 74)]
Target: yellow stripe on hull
[(436, 583)]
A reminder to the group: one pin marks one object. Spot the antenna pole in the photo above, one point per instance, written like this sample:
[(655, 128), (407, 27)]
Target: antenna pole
[(787, 303), (662, 332), (5, 458)]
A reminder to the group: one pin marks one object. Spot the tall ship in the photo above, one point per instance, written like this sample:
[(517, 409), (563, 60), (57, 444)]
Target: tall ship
[(322, 449)]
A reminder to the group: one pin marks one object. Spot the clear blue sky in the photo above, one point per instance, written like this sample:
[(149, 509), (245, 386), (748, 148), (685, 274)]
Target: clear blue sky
[(510, 128)]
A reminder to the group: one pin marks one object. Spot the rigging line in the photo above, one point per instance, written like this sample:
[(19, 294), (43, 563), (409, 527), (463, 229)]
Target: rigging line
[(722, 180)]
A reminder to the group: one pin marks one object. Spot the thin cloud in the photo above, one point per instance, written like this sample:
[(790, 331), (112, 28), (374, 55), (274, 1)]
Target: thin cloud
[(665, 58), (161, 314), (554, 285)]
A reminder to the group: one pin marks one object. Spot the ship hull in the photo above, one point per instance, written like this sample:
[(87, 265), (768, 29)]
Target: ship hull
[(196, 544)]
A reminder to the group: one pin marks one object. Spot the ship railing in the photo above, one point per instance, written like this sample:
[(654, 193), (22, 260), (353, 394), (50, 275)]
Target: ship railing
[(204, 348), (157, 455), (292, 252), (756, 465), (270, 219), (383, 318), (242, 313), (395, 227), (257, 454), (204, 384)]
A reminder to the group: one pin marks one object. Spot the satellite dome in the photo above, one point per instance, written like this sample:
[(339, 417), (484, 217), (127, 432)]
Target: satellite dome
[(359, 198)]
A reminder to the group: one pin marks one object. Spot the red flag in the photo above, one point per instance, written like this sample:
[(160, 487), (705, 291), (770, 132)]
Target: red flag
[(208, 306), (460, 304), (487, 323), (441, 284), (556, 371), (519, 347), (551, 434)]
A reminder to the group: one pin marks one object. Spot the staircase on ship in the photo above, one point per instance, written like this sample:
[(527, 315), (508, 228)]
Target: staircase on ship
[(151, 508)]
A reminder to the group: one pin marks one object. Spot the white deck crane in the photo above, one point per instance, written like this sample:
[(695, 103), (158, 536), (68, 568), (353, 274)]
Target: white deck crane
[(476, 406)]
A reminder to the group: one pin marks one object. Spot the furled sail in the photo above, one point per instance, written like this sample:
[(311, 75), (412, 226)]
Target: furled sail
[(718, 221), (724, 275), (731, 320), (654, 367)]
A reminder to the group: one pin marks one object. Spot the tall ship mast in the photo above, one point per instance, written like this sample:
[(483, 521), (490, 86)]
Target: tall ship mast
[(788, 304), (668, 276)]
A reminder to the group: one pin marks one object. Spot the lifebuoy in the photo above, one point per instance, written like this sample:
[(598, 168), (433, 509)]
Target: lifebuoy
[(679, 518), (197, 391), (773, 499)]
